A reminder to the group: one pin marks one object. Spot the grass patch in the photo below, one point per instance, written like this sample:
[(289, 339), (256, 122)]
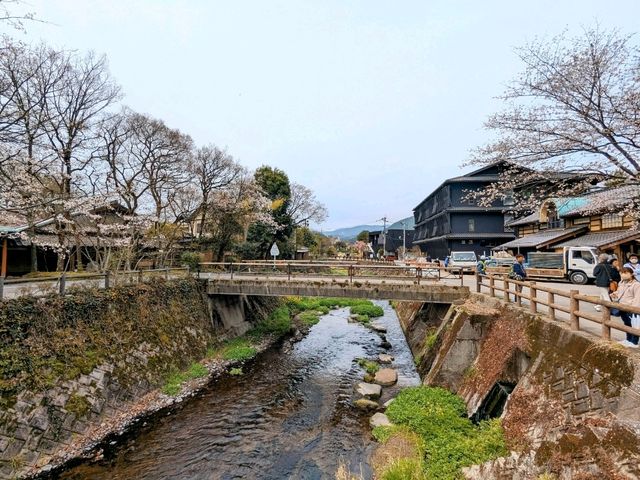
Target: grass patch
[(370, 310), (238, 349), (175, 380), (451, 441), (309, 318), (431, 340), (278, 323), (370, 367), (236, 371)]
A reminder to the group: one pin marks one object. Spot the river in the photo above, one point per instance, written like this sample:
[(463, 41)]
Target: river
[(290, 416)]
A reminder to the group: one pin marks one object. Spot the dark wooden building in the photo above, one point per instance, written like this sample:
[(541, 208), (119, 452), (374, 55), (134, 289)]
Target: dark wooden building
[(446, 221), (394, 238)]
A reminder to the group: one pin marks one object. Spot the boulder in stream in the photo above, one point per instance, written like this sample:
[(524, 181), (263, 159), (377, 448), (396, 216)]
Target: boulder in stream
[(388, 402), (386, 377), (384, 358), (379, 420), (369, 390), (364, 404), (378, 327)]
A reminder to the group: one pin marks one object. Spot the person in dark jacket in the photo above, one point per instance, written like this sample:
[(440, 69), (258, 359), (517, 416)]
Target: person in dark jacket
[(518, 269), (605, 273), (518, 272)]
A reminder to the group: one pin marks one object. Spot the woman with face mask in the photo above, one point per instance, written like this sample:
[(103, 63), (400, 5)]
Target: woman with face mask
[(634, 265), (628, 293)]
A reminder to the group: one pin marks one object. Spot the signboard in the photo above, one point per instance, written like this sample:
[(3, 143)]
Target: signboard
[(275, 251)]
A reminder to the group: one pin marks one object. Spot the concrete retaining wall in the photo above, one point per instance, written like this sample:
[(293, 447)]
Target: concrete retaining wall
[(575, 410)]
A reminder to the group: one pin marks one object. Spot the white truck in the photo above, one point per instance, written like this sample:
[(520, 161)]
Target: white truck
[(575, 264), (462, 260)]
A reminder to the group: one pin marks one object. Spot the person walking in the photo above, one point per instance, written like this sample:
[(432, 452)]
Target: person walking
[(634, 265), (605, 274), (628, 293)]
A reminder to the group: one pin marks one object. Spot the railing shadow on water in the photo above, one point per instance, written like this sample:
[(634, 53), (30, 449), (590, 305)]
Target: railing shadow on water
[(504, 288)]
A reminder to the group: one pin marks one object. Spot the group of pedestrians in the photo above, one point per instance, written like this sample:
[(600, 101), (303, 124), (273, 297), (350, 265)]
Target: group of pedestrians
[(620, 285)]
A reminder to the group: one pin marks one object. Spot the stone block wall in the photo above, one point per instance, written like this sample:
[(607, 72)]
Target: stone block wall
[(575, 410), (69, 364)]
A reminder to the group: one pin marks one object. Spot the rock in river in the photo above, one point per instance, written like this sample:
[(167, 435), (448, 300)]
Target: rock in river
[(386, 377), (369, 390), (379, 420), (384, 358), (364, 404), (378, 327)]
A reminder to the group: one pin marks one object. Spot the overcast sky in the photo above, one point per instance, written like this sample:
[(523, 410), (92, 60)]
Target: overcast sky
[(370, 103)]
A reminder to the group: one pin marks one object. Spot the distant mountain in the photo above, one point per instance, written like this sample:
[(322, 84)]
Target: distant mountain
[(350, 233)]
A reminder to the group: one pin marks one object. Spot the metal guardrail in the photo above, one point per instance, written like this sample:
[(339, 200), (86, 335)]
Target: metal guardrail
[(503, 284), (108, 279), (334, 270)]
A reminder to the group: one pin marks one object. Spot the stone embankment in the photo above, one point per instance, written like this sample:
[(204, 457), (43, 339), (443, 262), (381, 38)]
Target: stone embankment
[(569, 402), (76, 369)]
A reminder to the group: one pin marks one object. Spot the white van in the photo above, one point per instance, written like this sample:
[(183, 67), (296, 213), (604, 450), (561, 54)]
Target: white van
[(463, 260)]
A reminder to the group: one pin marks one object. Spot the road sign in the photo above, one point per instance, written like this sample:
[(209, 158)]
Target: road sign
[(275, 251)]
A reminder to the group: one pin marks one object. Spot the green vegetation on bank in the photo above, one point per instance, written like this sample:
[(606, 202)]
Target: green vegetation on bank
[(176, 379), (448, 439)]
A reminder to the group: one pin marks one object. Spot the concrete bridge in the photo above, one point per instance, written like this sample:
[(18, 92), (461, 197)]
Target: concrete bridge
[(379, 282)]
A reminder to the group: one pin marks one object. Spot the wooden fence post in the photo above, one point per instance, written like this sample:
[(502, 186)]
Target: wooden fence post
[(63, 283), (478, 282), (1, 287), (505, 283), (533, 293), (107, 280), (606, 317), (574, 305), (288, 271), (492, 286), (551, 299)]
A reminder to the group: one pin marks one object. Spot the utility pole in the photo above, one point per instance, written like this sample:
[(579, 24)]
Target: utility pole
[(404, 241), (384, 236)]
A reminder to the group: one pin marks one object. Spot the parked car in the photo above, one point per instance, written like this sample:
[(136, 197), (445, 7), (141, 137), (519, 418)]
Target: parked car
[(462, 260)]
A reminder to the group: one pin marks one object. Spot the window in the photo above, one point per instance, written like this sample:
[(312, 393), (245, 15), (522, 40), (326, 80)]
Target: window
[(612, 220), (508, 198), (581, 221), (463, 242), (584, 255), (470, 242), (472, 225)]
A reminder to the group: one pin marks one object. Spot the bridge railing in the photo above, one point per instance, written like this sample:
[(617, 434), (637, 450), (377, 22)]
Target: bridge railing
[(60, 282), (571, 310), (333, 270)]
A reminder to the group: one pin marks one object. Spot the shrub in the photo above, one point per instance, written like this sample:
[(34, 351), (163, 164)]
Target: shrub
[(190, 259)]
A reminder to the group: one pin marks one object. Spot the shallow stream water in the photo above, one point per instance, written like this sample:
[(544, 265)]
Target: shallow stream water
[(289, 417)]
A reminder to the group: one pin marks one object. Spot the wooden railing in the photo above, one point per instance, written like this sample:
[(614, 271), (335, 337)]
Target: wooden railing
[(334, 270), (104, 280), (503, 287)]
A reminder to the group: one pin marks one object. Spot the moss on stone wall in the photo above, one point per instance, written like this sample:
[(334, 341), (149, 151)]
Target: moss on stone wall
[(156, 327)]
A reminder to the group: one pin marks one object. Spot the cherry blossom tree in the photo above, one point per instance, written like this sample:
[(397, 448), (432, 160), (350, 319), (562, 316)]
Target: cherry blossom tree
[(570, 121)]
